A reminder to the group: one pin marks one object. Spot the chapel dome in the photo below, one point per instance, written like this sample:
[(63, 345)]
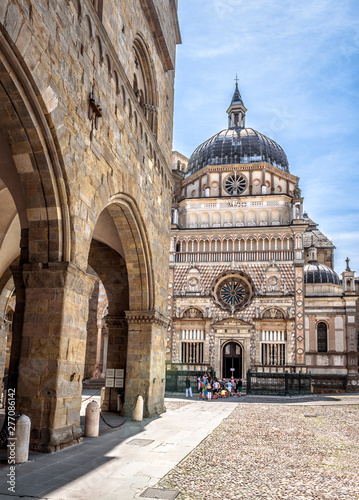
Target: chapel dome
[(237, 145), (319, 273)]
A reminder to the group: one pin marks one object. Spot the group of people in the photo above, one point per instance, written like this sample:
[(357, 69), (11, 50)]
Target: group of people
[(209, 388)]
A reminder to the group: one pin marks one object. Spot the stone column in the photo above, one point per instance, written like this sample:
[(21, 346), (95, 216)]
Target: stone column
[(145, 374), (49, 350), (3, 343), (105, 347)]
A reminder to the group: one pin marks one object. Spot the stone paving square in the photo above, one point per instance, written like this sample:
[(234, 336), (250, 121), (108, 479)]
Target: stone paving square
[(249, 448)]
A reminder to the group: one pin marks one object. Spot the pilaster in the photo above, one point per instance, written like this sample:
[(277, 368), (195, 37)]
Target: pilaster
[(299, 316), (48, 351)]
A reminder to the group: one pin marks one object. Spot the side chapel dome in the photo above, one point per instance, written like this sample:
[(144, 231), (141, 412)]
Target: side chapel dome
[(319, 273), (237, 144)]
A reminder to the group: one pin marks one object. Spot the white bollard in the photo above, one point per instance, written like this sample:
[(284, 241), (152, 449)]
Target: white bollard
[(22, 439), (92, 419), (138, 411)]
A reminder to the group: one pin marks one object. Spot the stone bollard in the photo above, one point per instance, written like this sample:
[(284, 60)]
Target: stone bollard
[(92, 419), (22, 440), (138, 411)]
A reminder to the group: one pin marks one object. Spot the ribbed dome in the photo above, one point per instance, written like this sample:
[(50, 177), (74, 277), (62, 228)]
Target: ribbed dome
[(319, 273), (237, 145)]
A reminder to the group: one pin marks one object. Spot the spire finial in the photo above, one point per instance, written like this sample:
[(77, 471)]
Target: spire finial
[(236, 80)]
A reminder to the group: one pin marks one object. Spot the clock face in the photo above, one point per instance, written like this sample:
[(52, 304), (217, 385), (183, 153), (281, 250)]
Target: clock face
[(235, 184), (233, 291)]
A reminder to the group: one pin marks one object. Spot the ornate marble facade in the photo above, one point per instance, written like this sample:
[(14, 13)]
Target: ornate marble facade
[(251, 278)]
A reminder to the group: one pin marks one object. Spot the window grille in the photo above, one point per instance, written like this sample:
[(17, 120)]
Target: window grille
[(192, 352), (273, 354)]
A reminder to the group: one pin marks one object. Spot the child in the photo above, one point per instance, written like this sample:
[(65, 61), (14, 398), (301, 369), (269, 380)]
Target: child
[(204, 390)]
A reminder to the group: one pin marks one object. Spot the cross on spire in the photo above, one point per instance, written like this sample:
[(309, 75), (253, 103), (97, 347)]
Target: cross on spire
[(236, 80)]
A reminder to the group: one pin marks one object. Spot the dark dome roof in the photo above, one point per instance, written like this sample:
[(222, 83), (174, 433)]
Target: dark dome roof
[(237, 145), (319, 273)]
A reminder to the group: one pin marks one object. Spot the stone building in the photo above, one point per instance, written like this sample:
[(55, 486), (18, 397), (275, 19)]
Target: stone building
[(252, 284), (86, 97)]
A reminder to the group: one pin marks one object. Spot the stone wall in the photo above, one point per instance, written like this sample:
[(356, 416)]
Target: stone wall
[(84, 141)]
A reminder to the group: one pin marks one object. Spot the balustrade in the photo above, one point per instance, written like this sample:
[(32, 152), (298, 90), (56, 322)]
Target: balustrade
[(233, 256)]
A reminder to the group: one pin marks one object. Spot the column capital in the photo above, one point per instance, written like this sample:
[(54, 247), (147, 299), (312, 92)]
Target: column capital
[(115, 321), (54, 275), (150, 316)]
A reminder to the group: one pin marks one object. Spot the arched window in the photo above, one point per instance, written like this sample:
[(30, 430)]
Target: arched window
[(322, 337), (144, 82)]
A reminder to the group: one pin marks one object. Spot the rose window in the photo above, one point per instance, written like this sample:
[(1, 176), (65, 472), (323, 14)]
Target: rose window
[(233, 290), (235, 184), (233, 293)]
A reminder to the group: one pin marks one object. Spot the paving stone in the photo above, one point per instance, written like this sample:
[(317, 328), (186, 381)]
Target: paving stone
[(275, 452)]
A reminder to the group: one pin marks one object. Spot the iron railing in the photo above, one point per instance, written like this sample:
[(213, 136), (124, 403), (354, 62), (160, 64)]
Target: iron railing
[(279, 384)]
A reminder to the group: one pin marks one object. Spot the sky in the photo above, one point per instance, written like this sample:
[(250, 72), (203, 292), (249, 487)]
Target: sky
[(298, 69)]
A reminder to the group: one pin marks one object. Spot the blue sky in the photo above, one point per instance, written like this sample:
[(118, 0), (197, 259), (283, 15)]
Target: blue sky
[(298, 69)]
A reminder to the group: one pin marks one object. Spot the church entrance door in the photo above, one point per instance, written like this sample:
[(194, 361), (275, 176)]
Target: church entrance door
[(232, 360)]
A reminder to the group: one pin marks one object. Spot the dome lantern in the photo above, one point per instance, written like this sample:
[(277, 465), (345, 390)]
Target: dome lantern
[(236, 111), (237, 144)]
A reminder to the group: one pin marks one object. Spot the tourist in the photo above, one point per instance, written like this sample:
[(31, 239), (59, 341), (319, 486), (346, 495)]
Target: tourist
[(209, 389), (204, 389), (229, 388), (239, 388), (216, 388), (188, 387), (224, 393), (199, 386)]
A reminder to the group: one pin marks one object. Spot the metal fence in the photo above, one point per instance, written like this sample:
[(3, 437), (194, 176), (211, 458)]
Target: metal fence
[(279, 384), (176, 379)]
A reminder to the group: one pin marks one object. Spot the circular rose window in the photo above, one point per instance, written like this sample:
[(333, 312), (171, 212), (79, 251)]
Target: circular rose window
[(233, 290), (235, 184)]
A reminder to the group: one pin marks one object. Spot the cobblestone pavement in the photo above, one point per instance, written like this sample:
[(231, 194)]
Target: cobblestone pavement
[(272, 451)]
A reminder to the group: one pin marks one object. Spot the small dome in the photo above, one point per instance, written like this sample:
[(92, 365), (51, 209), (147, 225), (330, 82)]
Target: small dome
[(319, 273), (237, 145)]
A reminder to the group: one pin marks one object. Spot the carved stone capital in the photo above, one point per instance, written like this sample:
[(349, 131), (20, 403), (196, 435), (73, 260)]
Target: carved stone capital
[(115, 322), (139, 317)]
